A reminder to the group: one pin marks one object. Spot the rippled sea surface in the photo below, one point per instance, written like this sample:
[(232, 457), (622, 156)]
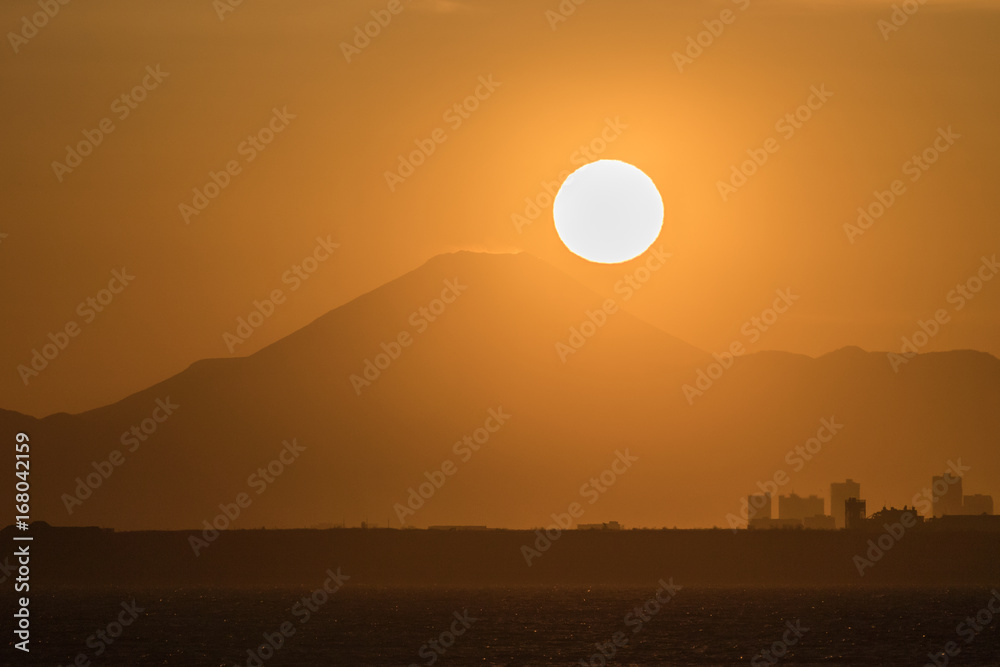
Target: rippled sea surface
[(361, 625)]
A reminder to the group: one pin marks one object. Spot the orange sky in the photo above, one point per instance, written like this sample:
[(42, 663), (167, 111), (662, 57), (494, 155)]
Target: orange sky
[(609, 68)]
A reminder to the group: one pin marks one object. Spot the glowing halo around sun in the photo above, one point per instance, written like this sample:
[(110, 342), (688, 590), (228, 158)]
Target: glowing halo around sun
[(608, 212)]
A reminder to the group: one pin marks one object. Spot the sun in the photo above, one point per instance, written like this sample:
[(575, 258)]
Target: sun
[(608, 212)]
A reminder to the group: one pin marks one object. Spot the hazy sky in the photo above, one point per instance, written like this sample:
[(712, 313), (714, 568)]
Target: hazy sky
[(608, 77)]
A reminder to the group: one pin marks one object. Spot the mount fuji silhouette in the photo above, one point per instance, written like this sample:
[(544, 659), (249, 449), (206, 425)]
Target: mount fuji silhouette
[(377, 397)]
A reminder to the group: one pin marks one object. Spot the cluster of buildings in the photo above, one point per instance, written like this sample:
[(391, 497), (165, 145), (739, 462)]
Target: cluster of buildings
[(609, 525), (951, 509)]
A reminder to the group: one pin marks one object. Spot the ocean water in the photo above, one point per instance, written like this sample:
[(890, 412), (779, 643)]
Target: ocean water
[(364, 625)]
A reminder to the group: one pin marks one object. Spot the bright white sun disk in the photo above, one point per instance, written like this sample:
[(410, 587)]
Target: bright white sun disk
[(608, 212)]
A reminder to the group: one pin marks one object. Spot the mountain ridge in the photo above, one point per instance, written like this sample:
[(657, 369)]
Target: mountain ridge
[(379, 395)]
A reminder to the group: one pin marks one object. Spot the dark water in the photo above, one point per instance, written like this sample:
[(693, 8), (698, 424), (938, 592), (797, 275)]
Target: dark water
[(518, 626)]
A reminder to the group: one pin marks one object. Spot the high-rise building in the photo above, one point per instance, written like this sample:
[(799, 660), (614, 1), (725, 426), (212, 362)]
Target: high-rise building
[(796, 507), (977, 504), (854, 513), (758, 506), (947, 498), (839, 493)]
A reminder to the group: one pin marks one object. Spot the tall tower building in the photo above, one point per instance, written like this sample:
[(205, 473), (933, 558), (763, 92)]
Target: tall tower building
[(947, 498), (793, 506), (759, 506), (839, 493), (854, 513)]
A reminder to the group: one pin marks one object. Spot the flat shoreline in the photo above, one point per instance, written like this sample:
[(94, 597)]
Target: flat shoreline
[(92, 556)]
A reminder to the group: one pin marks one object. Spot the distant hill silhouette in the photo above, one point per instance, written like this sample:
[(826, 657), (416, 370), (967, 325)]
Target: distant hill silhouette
[(495, 346)]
